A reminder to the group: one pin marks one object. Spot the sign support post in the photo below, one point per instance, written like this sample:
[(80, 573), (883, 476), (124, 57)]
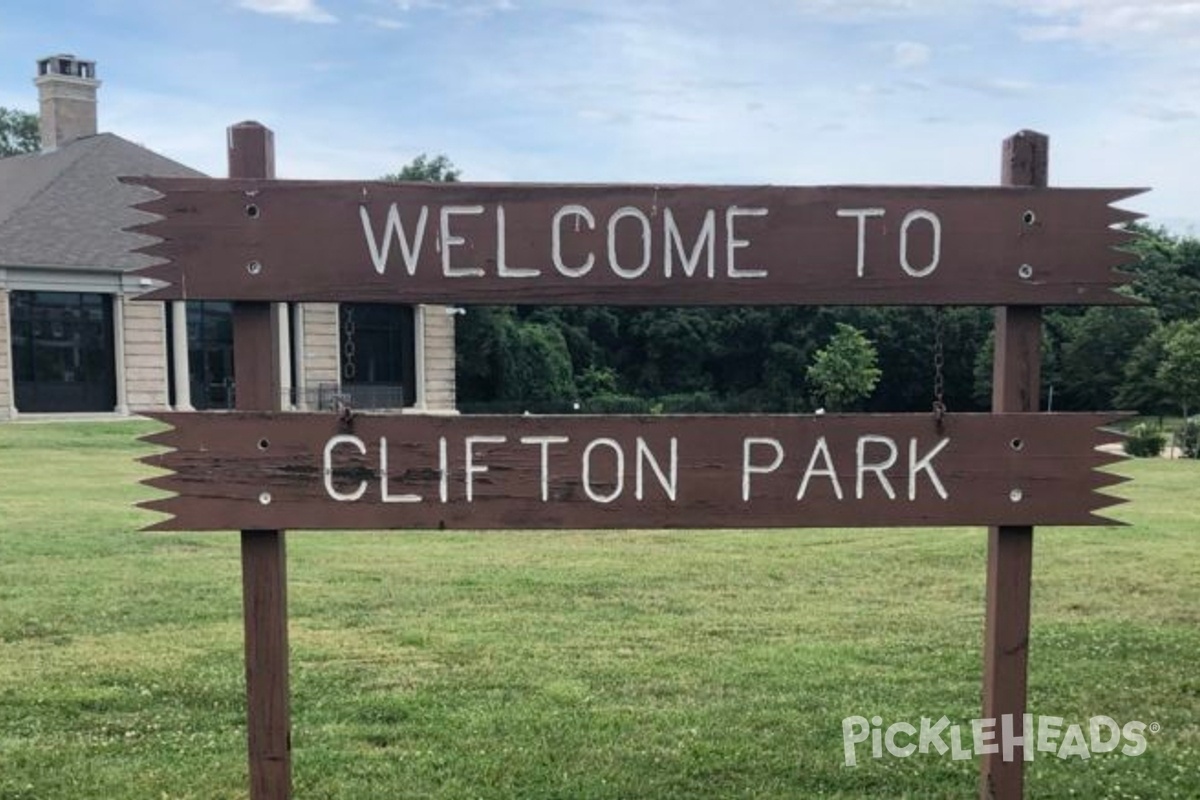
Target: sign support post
[(264, 552), (1016, 379)]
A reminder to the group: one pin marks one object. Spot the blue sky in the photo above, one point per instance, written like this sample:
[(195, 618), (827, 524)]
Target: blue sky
[(690, 91)]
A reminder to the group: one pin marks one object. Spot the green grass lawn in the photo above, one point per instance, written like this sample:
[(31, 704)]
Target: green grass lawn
[(573, 665)]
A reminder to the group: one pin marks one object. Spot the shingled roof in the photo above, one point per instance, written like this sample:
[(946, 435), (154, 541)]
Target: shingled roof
[(65, 208)]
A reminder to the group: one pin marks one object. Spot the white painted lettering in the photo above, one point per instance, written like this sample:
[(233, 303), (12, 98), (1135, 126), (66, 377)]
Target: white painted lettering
[(387, 496), (472, 469), (626, 212), (750, 468), (443, 471), (502, 268), (936, 254), (327, 468), (394, 227), (449, 241), (618, 485), (879, 468), (821, 451), (544, 442), (646, 457), (733, 244), (579, 212), (705, 244), (925, 464), (861, 214)]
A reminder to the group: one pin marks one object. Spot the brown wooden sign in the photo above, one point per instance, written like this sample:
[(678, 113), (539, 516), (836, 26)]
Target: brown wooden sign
[(634, 245), (317, 471)]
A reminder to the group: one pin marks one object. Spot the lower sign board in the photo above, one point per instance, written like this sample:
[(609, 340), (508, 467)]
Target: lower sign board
[(321, 471)]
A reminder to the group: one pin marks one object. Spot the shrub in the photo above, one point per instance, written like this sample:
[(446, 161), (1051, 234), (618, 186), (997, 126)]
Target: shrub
[(1189, 439), (1145, 441), (691, 403), (608, 403)]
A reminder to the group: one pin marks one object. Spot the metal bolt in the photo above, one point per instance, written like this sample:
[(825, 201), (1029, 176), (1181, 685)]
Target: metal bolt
[(1029, 217), (252, 210), (1016, 495), (1016, 444), (265, 498), (254, 267), (1025, 271)]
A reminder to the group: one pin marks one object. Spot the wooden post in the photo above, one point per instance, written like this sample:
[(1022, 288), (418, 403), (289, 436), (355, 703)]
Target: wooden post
[(1016, 380), (264, 554)]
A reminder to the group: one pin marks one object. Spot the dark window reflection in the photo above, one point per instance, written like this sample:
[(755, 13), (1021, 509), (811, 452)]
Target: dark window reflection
[(210, 353), (377, 353), (63, 352)]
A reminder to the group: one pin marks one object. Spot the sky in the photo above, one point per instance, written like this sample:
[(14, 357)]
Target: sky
[(789, 92)]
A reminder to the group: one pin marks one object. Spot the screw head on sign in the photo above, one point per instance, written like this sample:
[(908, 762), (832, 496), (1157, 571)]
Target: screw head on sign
[(1016, 495), (254, 267), (265, 498), (1025, 271)]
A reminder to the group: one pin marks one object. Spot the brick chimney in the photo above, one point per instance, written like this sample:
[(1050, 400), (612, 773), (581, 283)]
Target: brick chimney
[(67, 96)]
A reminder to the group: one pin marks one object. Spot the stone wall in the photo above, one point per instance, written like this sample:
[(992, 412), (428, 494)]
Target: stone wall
[(145, 355), (440, 392), (320, 358), (6, 384)]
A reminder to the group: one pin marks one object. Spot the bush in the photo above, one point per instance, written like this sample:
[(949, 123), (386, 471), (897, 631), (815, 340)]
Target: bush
[(1189, 439), (1145, 441), (609, 403), (691, 403)]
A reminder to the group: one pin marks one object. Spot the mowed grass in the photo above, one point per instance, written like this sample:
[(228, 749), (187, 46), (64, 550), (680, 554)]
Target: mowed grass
[(571, 665)]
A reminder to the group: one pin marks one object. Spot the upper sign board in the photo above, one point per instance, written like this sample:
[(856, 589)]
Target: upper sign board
[(634, 245)]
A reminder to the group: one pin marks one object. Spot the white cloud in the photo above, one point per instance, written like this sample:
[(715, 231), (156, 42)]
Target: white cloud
[(1114, 22), (906, 55), (298, 10), (867, 8), (386, 23), (462, 7)]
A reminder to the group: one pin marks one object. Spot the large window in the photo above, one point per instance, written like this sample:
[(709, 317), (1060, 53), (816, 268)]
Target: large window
[(378, 355), (210, 353), (62, 345)]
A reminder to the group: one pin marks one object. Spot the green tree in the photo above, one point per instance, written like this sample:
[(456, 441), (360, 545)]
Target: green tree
[(1179, 371), (595, 381), (845, 371), (1167, 272), (438, 169), (1140, 388), (535, 366), (1096, 346), (18, 132), (783, 376)]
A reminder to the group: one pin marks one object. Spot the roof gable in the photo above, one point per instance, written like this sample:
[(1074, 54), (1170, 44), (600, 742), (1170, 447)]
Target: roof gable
[(67, 208)]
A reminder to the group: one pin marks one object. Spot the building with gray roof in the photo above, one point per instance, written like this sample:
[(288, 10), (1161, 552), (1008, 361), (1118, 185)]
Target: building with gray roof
[(72, 340)]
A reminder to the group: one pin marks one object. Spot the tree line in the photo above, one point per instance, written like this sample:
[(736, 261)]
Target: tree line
[(1145, 358), (601, 359)]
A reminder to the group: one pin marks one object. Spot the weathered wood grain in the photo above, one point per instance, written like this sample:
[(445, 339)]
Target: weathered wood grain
[(636, 245), (239, 470)]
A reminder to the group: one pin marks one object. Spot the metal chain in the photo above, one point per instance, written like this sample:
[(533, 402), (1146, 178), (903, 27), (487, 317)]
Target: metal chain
[(349, 367), (939, 363)]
